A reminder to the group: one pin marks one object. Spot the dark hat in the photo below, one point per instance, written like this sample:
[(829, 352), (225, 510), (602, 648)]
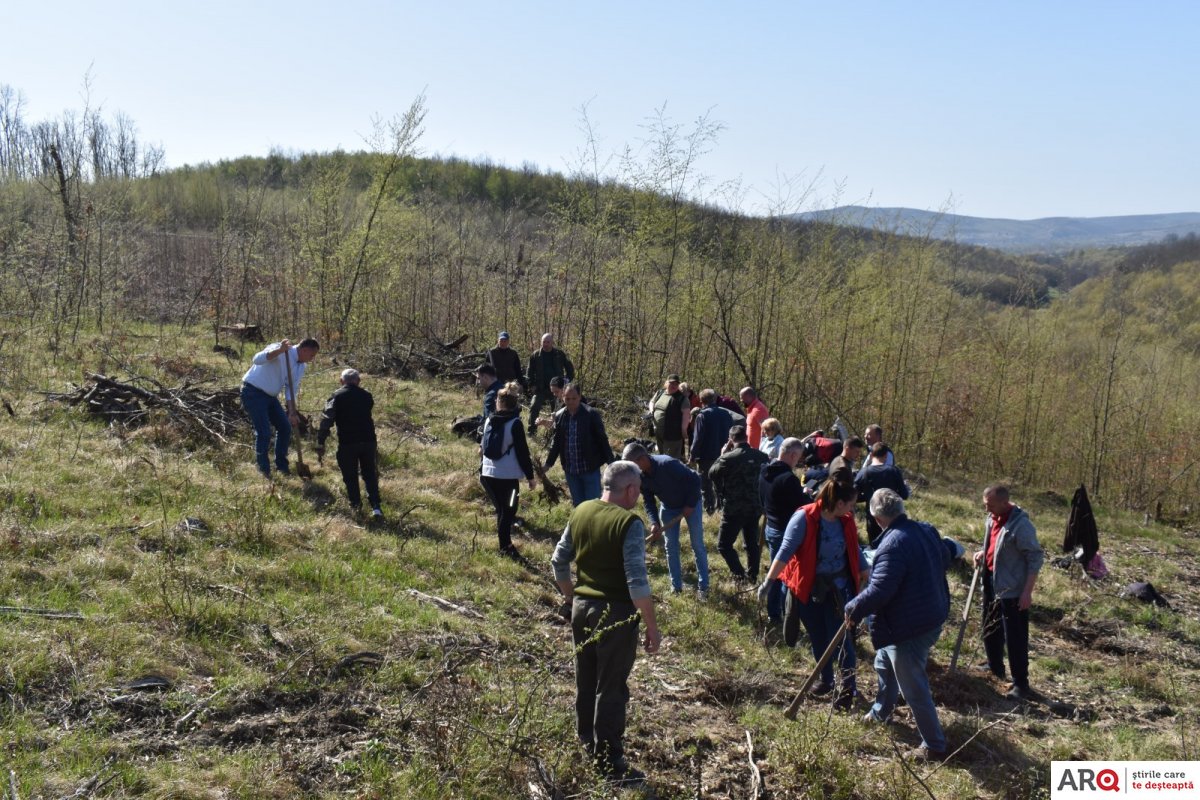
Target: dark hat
[(503, 335), (673, 377)]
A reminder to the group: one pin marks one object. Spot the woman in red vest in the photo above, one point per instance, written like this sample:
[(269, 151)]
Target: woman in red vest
[(822, 565)]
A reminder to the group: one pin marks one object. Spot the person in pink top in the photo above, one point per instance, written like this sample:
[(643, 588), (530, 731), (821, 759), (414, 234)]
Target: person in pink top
[(756, 413)]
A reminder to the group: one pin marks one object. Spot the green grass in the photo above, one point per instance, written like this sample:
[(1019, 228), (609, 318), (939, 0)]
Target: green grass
[(250, 619)]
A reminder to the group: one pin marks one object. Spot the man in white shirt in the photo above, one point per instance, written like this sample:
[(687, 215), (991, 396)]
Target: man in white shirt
[(261, 385)]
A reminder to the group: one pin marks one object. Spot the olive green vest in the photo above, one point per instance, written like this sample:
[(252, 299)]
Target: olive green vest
[(668, 416), (598, 532)]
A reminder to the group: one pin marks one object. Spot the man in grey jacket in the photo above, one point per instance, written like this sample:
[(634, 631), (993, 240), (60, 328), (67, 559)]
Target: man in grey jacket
[(1011, 558)]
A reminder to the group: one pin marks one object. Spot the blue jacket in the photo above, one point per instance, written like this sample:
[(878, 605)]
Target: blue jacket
[(908, 594), (672, 483), (710, 431)]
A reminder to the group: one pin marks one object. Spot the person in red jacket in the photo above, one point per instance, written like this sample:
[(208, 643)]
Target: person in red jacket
[(822, 565)]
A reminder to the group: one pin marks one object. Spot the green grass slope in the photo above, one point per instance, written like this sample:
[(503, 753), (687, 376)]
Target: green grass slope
[(298, 656)]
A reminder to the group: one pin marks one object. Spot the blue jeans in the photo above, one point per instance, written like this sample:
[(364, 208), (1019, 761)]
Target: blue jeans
[(265, 412), (584, 486), (901, 669), (774, 538), (695, 525), (821, 620)]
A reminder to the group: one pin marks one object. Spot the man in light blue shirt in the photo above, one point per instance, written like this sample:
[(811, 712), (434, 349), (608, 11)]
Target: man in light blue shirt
[(261, 385)]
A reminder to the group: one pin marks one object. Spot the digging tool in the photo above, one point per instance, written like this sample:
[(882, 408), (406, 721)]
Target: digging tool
[(825, 658), (962, 626), (302, 469), (654, 537)]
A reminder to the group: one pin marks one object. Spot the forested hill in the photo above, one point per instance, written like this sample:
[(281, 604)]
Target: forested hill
[(1045, 371), (1049, 234)]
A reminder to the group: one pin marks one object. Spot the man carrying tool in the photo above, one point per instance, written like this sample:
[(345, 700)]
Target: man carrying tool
[(1011, 557), (607, 541), (349, 408), (910, 600), (261, 385)]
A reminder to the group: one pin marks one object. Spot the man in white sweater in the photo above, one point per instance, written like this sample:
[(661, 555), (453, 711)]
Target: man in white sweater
[(261, 385)]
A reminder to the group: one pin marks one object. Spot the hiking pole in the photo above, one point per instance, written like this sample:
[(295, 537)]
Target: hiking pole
[(825, 659), (302, 469), (962, 627)]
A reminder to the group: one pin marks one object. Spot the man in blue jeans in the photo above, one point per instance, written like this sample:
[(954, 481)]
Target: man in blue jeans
[(261, 385), (582, 443), (668, 481), (910, 600)]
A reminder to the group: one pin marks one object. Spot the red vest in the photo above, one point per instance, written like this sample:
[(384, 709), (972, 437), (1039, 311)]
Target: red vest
[(801, 571)]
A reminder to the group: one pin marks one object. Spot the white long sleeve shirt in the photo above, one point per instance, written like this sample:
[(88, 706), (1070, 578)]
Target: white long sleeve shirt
[(270, 376)]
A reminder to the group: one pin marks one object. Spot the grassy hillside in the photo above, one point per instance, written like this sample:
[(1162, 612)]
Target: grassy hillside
[(297, 662)]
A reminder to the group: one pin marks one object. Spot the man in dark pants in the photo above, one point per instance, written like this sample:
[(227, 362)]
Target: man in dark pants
[(350, 410), (710, 434), (1011, 557), (546, 363), (735, 478), (607, 541)]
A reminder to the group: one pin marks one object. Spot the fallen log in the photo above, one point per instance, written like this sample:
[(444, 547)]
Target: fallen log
[(445, 605)]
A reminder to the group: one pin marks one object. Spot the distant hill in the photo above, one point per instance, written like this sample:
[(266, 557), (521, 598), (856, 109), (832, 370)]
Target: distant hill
[(1044, 235)]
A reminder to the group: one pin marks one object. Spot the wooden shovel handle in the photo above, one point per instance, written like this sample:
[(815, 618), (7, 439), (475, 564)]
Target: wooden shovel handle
[(825, 659)]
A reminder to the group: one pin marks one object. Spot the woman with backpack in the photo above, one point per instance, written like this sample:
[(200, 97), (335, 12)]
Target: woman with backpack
[(506, 460)]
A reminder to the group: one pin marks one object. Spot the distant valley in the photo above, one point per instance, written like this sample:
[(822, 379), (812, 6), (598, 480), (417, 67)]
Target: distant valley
[(1049, 234)]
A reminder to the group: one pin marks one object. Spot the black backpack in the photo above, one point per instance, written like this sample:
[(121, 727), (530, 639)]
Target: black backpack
[(493, 437)]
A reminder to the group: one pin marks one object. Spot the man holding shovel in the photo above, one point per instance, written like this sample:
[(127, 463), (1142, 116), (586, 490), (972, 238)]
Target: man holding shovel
[(267, 377)]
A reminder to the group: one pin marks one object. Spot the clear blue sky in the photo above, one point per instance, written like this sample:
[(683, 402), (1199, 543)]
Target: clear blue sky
[(1019, 109)]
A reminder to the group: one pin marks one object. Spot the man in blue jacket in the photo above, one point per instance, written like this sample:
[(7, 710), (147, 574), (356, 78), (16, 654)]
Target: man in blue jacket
[(668, 481), (910, 600), (710, 432)]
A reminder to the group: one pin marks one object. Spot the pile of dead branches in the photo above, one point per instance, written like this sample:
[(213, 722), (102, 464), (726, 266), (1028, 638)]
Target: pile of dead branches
[(418, 359), (198, 408)]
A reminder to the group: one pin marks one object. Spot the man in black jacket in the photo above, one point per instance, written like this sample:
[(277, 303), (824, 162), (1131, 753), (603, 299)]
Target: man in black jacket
[(710, 433), (544, 364), (582, 443), (350, 410), (781, 493), (735, 476), (506, 361), (876, 475)]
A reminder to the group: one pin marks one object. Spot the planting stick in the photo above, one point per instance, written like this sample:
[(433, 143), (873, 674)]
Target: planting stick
[(825, 658), (302, 469), (962, 627)]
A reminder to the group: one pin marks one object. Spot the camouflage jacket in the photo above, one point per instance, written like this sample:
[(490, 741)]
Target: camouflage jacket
[(735, 477)]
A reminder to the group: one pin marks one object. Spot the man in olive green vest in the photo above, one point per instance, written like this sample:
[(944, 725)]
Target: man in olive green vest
[(606, 540), (672, 415)]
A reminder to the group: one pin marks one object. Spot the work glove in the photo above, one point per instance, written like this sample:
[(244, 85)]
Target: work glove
[(763, 590)]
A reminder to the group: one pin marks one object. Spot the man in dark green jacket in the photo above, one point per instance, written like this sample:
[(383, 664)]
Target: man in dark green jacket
[(545, 364), (735, 478)]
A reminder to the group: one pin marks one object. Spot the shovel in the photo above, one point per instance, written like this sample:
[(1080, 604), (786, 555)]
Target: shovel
[(302, 469), (791, 711), (962, 628)]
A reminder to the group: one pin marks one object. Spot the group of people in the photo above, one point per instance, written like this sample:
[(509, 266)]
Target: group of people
[(709, 454)]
